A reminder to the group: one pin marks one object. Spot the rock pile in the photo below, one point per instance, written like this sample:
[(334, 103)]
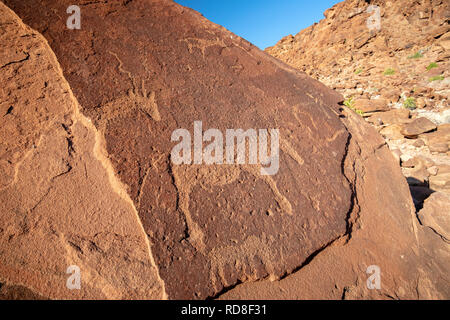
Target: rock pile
[(395, 75)]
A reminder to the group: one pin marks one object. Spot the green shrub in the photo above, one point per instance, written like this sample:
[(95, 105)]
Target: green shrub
[(436, 78), (410, 103), (349, 103), (416, 55), (389, 72), (432, 65), (358, 71)]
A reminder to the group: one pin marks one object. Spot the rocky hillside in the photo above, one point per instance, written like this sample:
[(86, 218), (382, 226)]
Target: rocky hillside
[(394, 71), (88, 179)]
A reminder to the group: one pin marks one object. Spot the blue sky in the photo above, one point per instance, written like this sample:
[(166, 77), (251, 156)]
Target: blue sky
[(262, 22)]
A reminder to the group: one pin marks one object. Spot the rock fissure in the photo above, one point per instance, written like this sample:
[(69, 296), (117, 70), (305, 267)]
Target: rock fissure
[(27, 57)]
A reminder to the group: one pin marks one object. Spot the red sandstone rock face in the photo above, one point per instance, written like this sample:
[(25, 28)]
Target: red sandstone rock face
[(58, 193), (142, 69)]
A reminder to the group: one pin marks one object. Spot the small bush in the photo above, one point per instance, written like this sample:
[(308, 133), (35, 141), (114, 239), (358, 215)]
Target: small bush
[(410, 103), (349, 103), (436, 78), (358, 71), (389, 72), (432, 65), (416, 55)]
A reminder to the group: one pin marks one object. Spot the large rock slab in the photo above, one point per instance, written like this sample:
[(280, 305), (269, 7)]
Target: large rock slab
[(60, 201)]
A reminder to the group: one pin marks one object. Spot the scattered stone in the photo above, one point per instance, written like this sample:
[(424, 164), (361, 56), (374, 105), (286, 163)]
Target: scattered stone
[(441, 181), (392, 96), (392, 132), (438, 147), (436, 214), (418, 143), (439, 139), (421, 103), (433, 170), (417, 126), (395, 116), (367, 105)]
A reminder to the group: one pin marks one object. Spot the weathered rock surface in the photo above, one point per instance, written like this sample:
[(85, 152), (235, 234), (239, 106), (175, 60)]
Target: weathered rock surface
[(379, 238), (60, 201), (436, 214), (140, 70)]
